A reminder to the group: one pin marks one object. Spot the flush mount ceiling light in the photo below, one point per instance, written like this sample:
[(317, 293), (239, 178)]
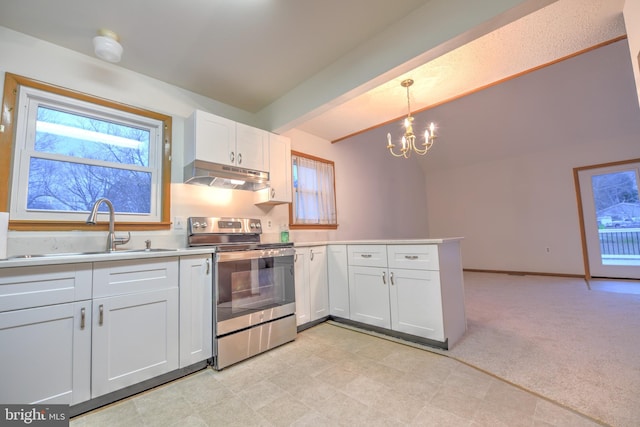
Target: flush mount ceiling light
[(408, 141), (106, 46)]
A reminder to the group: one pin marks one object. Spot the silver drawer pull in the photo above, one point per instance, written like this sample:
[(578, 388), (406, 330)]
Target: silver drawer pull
[(365, 255), (384, 278), (411, 256), (83, 314), (101, 317)]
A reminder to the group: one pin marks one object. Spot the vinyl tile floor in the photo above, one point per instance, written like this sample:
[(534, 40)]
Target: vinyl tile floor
[(335, 376)]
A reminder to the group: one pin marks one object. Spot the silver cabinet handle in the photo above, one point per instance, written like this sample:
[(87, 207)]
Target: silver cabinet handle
[(391, 277), (208, 262), (273, 193), (239, 158), (411, 256), (232, 157), (311, 255), (295, 258), (365, 255), (101, 317), (83, 314), (384, 278)]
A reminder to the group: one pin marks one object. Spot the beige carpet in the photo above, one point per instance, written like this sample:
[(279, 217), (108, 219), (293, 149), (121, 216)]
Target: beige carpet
[(555, 337)]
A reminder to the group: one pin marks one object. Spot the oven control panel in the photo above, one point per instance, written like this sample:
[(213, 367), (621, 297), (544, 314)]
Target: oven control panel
[(214, 225)]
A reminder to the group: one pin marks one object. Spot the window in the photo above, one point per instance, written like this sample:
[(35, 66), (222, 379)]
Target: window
[(71, 149), (314, 198)]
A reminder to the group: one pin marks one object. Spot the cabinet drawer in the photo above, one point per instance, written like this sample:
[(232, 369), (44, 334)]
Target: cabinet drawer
[(129, 276), (26, 287), (413, 257), (367, 255)]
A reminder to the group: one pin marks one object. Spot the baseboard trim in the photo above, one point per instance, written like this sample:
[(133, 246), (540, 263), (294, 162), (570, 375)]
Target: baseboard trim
[(525, 273)]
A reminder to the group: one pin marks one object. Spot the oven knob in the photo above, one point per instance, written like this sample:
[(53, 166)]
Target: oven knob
[(252, 225), (196, 224), (257, 225), (204, 225)]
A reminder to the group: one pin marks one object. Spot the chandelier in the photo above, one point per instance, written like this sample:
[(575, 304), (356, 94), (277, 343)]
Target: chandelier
[(408, 141)]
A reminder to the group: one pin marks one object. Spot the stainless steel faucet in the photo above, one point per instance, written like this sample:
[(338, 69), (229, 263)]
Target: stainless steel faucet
[(112, 240)]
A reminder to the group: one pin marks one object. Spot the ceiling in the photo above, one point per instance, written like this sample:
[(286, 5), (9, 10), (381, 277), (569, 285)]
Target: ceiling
[(331, 67)]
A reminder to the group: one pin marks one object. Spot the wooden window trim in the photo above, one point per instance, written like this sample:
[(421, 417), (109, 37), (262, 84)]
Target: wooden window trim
[(7, 131)]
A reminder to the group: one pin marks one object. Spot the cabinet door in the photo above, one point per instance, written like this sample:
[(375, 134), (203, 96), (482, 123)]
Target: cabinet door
[(214, 139), (318, 286), (416, 303), (251, 147), (46, 354), (301, 271), (369, 295), (338, 278), (196, 326), (135, 338), (279, 190)]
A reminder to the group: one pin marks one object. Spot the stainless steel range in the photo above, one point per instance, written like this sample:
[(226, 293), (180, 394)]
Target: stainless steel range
[(253, 287)]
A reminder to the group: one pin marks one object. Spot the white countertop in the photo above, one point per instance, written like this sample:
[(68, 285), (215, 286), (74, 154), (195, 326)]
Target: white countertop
[(70, 258), (382, 242)]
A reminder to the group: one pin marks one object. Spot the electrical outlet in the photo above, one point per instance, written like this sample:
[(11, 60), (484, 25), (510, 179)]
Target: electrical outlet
[(178, 223)]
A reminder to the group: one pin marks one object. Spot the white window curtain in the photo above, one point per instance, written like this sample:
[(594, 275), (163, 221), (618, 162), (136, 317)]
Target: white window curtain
[(314, 200)]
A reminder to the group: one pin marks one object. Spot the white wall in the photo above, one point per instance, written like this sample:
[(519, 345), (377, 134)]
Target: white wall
[(377, 196), (501, 174)]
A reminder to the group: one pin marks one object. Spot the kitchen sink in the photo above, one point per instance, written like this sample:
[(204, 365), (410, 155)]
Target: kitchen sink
[(151, 250)]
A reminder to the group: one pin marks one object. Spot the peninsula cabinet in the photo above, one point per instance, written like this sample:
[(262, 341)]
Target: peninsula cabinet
[(45, 334), (135, 322), (338, 278), (196, 325), (409, 289)]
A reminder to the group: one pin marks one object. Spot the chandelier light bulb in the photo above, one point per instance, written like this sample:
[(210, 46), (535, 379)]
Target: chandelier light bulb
[(408, 141)]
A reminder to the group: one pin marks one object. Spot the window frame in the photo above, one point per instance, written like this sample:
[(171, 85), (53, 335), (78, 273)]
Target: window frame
[(293, 192), (8, 147)]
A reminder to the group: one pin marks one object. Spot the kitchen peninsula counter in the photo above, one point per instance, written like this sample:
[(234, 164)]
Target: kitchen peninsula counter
[(408, 288)]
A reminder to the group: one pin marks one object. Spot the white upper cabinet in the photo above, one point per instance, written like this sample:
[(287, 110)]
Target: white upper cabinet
[(218, 140), (251, 147), (279, 190)]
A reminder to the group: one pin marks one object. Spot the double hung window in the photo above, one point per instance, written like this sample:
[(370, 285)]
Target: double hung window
[(314, 199)]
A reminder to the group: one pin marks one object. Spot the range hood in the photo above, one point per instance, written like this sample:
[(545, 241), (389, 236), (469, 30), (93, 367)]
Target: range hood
[(200, 172)]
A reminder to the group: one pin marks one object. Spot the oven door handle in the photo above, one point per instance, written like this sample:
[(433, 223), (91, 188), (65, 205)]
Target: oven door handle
[(254, 254)]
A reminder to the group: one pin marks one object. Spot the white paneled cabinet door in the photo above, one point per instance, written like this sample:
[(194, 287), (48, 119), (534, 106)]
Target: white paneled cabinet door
[(301, 270), (416, 303), (46, 354), (214, 138), (196, 326), (338, 278), (318, 285), (369, 295), (251, 147), (279, 190), (135, 338)]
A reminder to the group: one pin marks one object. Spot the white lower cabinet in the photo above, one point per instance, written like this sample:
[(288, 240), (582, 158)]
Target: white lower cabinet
[(338, 279), (312, 292), (196, 325), (135, 331), (415, 303), (412, 289), (46, 354), (45, 334), (369, 296)]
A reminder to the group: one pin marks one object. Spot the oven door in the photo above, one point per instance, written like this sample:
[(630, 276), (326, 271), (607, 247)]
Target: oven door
[(252, 287)]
